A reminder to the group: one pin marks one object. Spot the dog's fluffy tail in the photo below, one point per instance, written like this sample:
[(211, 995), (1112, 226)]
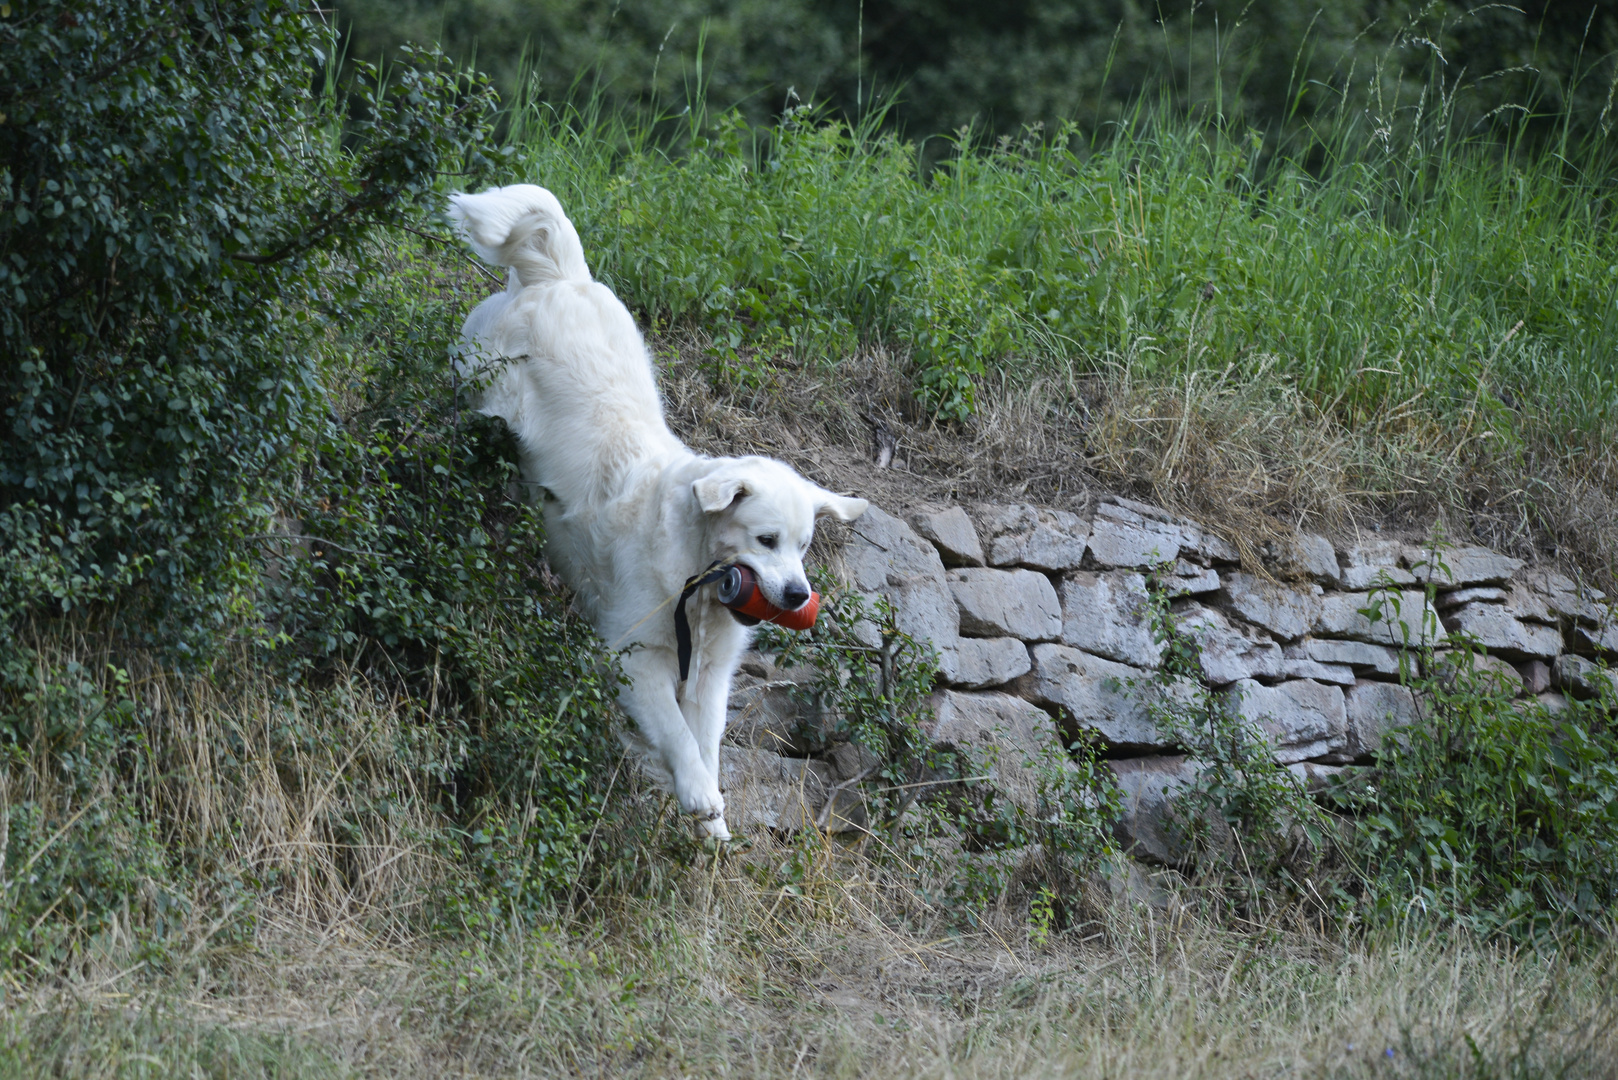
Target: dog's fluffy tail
[(523, 227)]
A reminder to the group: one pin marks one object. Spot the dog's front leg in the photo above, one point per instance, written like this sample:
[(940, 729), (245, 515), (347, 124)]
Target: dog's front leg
[(650, 699)]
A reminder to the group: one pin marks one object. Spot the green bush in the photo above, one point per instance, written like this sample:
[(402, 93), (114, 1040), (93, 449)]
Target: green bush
[(1495, 813), (170, 187)]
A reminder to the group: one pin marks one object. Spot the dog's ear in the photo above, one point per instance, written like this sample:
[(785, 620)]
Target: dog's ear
[(716, 492), (841, 507)]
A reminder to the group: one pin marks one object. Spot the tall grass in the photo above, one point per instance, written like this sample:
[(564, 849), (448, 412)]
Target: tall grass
[(1417, 284)]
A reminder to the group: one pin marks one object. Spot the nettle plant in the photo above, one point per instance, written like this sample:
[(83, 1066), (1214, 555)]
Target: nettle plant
[(1496, 813), (1242, 811), (935, 811)]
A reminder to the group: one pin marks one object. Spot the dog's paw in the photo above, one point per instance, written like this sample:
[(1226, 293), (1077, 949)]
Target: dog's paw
[(715, 827)]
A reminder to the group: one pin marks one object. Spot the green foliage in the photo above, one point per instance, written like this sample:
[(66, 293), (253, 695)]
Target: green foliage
[(168, 186), (1493, 813), (1241, 809), (1276, 63), (870, 686), (1411, 260)]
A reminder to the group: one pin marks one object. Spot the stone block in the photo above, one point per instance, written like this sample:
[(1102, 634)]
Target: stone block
[(1372, 709), (1461, 566), (1317, 558), (1553, 702), (885, 556), (1303, 718), (1301, 667), (1226, 652), (766, 790), (1009, 738), (1490, 673), (1360, 655), (1315, 777), (1340, 618), (1491, 594), (1366, 563), (1020, 535), (766, 716), (1006, 603), (976, 663), (1496, 630), (1189, 579), (952, 533), (1199, 545), (1564, 597), (1095, 695), (1147, 827), (1107, 614), (1584, 679), (1287, 612), (1121, 537), (1536, 676), (1595, 640)]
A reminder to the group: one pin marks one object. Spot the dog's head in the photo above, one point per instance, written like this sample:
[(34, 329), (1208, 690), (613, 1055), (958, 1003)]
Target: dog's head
[(763, 514)]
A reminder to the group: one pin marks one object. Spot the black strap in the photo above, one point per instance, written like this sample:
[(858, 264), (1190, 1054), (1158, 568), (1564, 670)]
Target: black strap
[(682, 625)]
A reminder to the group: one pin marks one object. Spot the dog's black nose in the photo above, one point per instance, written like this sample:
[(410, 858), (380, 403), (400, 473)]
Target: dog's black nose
[(795, 596)]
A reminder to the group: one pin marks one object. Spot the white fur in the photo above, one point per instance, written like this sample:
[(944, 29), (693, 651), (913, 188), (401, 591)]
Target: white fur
[(630, 511)]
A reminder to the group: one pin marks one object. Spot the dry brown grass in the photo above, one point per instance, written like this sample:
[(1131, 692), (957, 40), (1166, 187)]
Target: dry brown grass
[(1252, 458)]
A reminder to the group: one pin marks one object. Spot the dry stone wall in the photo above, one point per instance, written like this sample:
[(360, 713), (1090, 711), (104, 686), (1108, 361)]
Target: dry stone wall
[(1041, 625)]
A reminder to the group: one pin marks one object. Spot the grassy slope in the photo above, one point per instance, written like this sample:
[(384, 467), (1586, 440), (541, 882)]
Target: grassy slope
[(1429, 319), (1360, 339)]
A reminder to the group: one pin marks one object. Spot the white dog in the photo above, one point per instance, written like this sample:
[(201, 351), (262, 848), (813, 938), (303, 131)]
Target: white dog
[(630, 512)]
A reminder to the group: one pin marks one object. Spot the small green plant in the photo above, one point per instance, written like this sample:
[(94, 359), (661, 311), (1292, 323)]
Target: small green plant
[(1488, 811), (940, 808)]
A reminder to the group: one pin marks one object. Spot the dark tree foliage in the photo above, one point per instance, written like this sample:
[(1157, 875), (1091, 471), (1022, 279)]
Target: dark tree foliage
[(168, 182), (1271, 63)]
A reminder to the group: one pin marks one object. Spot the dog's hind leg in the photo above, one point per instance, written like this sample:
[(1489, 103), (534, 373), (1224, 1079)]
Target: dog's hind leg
[(649, 698)]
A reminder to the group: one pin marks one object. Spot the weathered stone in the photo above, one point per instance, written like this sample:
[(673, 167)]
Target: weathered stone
[(1494, 628), (1226, 652), (1006, 736), (952, 533), (1595, 641), (1097, 695), (1584, 679), (1340, 617), (1303, 719), (1317, 558), (1004, 529), (1536, 676), (1147, 827), (1488, 593), (1301, 667), (1359, 655), (765, 716), (766, 790), (1462, 566), (1369, 562), (1490, 673), (1057, 543), (1373, 709), (1200, 545), (1316, 777), (1121, 537), (1020, 535), (884, 556), (976, 663), (852, 762), (1107, 614), (1553, 702), (1006, 603), (1564, 597), (1189, 579), (1286, 612)]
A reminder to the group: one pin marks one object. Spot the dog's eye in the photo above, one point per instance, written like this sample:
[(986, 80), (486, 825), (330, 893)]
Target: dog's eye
[(768, 540)]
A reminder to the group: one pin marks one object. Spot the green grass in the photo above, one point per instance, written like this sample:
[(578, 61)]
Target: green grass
[(1423, 271)]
